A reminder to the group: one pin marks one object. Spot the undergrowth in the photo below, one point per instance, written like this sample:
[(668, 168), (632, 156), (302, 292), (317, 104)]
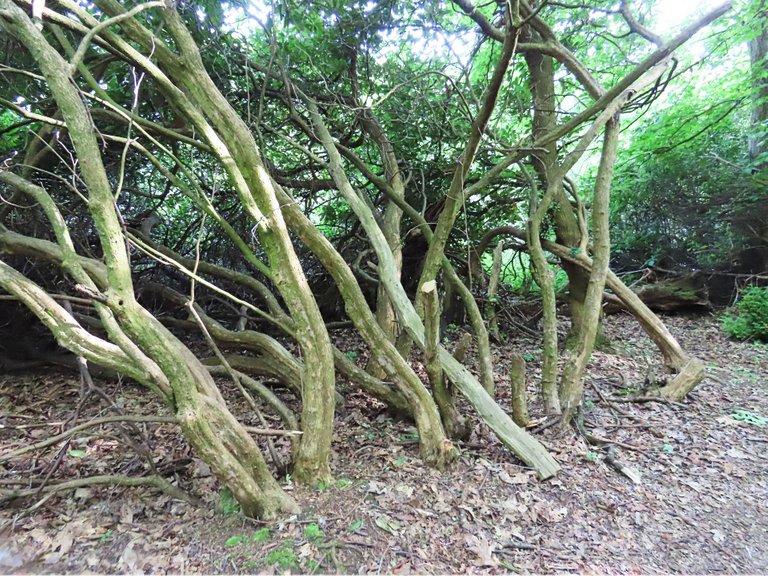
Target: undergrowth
[(748, 320)]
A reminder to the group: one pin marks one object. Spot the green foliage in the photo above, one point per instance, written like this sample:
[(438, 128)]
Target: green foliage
[(106, 536), (12, 128), (749, 318), (227, 503), (284, 557), (684, 193), (669, 201), (313, 532), (262, 535), (233, 541), (516, 272)]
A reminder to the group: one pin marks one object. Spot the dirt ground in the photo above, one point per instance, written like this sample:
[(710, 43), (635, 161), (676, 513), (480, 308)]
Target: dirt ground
[(699, 505)]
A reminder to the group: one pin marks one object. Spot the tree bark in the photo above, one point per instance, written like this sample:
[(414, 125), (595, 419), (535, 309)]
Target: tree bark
[(232, 142), (542, 274), (519, 394), (572, 381), (452, 420), (491, 313)]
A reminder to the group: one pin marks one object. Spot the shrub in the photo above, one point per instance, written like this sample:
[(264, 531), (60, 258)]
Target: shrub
[(749, 318)]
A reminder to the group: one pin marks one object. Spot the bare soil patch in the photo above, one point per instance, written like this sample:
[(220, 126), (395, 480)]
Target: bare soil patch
[(701, 505)]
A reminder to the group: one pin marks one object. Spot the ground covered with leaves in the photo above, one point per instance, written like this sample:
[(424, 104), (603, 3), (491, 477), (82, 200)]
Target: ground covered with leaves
[(695, 498)]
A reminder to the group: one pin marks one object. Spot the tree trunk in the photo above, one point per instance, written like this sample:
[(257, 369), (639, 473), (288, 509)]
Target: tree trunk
[(452, 420), (491, 313), (544, 277), (209, 427), (572, 381), (519, 394), (233, 143)]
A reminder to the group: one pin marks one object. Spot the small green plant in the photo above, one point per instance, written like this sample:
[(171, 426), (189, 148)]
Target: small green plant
[(227, 503), (262, 535), (591, 456), (529, 356), (748, 320), (106, 536), (284, 557), (343, 482), (233, 541), (355, 526), (749, 418), (352, 355), (668, 449), (313, 532)]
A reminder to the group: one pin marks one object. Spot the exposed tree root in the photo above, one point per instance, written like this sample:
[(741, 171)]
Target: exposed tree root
[(116, 480)]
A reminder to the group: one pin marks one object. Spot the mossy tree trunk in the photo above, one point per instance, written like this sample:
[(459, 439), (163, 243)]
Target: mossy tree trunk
[(452, 420), (571, 383), (233, 143), (207, 423)]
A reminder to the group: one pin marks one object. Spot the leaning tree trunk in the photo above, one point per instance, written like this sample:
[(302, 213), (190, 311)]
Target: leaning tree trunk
[(455, 196), (212, 431), (435, 447), (234, 145), (390, 226)]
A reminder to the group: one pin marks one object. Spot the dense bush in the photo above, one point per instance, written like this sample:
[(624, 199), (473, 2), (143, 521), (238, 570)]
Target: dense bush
[(749, 318)]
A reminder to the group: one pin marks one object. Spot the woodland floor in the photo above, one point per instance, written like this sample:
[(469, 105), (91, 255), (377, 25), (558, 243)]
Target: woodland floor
[(701, 505)]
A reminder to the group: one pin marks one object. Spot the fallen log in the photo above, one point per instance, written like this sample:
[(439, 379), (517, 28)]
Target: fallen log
[(687, 292)]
